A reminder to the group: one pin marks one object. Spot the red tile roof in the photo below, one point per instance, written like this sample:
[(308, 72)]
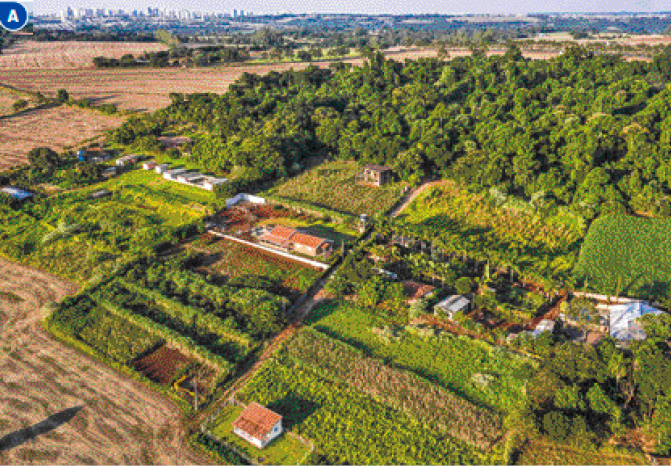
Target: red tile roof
[(307, 240), (414, 290), (276, 240), (257, 420), (282, 232)]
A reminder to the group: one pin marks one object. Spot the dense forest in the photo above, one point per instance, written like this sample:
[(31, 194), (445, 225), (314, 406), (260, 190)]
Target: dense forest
[(589, 131)]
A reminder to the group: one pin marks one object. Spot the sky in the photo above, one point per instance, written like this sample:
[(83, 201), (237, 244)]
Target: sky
[(367, 6)]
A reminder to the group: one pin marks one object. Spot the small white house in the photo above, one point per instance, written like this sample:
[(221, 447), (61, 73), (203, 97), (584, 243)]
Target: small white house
[(189, 177), (452, 306), (149, 165), (162, 168), (258, 425)]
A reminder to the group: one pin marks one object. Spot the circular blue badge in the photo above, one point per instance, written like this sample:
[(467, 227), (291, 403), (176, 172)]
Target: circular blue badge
[(13, 16)]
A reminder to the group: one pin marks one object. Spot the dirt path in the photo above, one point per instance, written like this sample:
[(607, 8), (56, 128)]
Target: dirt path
[(120, 421), (413, 195)]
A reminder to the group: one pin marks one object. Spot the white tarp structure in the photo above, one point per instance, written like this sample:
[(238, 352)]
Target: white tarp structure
[(453, 305), (623, 320)]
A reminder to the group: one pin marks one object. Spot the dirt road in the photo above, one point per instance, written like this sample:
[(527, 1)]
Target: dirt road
[(60, 407)]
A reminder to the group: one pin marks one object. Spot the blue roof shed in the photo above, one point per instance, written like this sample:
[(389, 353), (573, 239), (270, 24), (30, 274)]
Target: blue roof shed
[(16, 193)]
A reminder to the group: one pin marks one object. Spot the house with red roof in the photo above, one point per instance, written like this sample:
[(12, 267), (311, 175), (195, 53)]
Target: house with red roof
[(258, 425), (290, 240)]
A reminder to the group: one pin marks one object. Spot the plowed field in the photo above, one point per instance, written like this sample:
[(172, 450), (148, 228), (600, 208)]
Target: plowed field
[(120, 421)]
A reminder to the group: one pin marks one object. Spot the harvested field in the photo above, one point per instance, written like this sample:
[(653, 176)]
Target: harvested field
[(160, 365), (56, 127), (81, 409), (54, 55)]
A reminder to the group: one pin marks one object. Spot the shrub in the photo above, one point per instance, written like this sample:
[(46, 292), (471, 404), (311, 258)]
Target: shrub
[(556, 425), (463, 285)]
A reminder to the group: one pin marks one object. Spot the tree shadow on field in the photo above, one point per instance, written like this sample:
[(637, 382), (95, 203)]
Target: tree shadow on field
[(52, 422), (294, 410), (630, 285)]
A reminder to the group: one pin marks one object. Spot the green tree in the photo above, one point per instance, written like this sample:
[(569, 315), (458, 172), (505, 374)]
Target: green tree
[(62, 96), (19, 105)]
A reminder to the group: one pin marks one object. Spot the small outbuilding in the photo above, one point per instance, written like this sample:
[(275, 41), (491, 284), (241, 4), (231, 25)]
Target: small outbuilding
[(108, 172), (624, 324), (258, 425), (375, 175), (211, 182), (456, 304), (149, 165), (173, 174), (16, 193)]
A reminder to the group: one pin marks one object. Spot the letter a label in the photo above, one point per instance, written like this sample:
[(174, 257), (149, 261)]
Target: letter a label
[(13, 16)]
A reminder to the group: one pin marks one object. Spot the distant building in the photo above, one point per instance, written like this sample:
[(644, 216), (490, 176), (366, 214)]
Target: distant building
[(108, 172), (375, 175), (16, 193), (149, 165), (173, 142), (452, 306), (415, 291), (127, 160), (172, 174), (258, 425), (211, 182)]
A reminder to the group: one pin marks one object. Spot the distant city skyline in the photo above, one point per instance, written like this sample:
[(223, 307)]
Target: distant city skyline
[(368, 6)]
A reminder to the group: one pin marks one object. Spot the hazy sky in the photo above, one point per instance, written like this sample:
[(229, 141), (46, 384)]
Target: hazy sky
[(368, 6)]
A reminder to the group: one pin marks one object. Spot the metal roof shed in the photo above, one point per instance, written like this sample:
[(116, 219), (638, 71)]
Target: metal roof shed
[(453, 305), (624, 324)]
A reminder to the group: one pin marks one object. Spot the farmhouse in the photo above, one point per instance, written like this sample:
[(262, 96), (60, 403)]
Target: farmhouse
[(258, 425), (375, 175), (289, 239), (415, 291), (452, 306), (624, 324), (15, 193)]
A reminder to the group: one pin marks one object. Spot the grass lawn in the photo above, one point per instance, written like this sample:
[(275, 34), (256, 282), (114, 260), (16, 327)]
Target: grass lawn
[(283, 450), (333, 186), (449, 362), (151, 179), (331, 230)]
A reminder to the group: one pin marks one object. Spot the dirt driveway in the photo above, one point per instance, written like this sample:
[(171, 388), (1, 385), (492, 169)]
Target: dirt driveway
[(58, 406)]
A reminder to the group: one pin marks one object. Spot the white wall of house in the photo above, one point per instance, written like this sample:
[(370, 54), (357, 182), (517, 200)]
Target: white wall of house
[(253, 440)]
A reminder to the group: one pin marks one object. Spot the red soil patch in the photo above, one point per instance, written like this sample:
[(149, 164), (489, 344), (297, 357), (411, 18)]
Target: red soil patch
[(161, 364)]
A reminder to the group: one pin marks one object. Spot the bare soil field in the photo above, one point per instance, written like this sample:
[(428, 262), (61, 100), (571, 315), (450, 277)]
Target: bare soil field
[(60, 407), (57, 127), (54, 55)]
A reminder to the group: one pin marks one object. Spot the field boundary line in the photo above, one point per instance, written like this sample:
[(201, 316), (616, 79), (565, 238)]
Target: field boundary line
[(271, 250)]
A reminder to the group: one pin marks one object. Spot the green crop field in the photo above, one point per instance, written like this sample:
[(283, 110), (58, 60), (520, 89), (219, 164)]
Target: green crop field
[(451, 362), (347, 426), (628, 255), (332, 186)]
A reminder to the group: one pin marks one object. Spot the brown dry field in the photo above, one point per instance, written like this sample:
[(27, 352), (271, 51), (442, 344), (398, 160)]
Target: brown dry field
[(120, 422), (148, 89), (56, 127), (52, 55)]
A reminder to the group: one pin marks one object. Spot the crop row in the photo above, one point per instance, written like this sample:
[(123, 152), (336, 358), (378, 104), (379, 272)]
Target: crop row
[(401, 389), (347, 426)]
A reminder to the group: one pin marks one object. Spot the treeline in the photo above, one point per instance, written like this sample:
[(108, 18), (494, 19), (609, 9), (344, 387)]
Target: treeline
[(592, 132), (43, 35), (176, 56)]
